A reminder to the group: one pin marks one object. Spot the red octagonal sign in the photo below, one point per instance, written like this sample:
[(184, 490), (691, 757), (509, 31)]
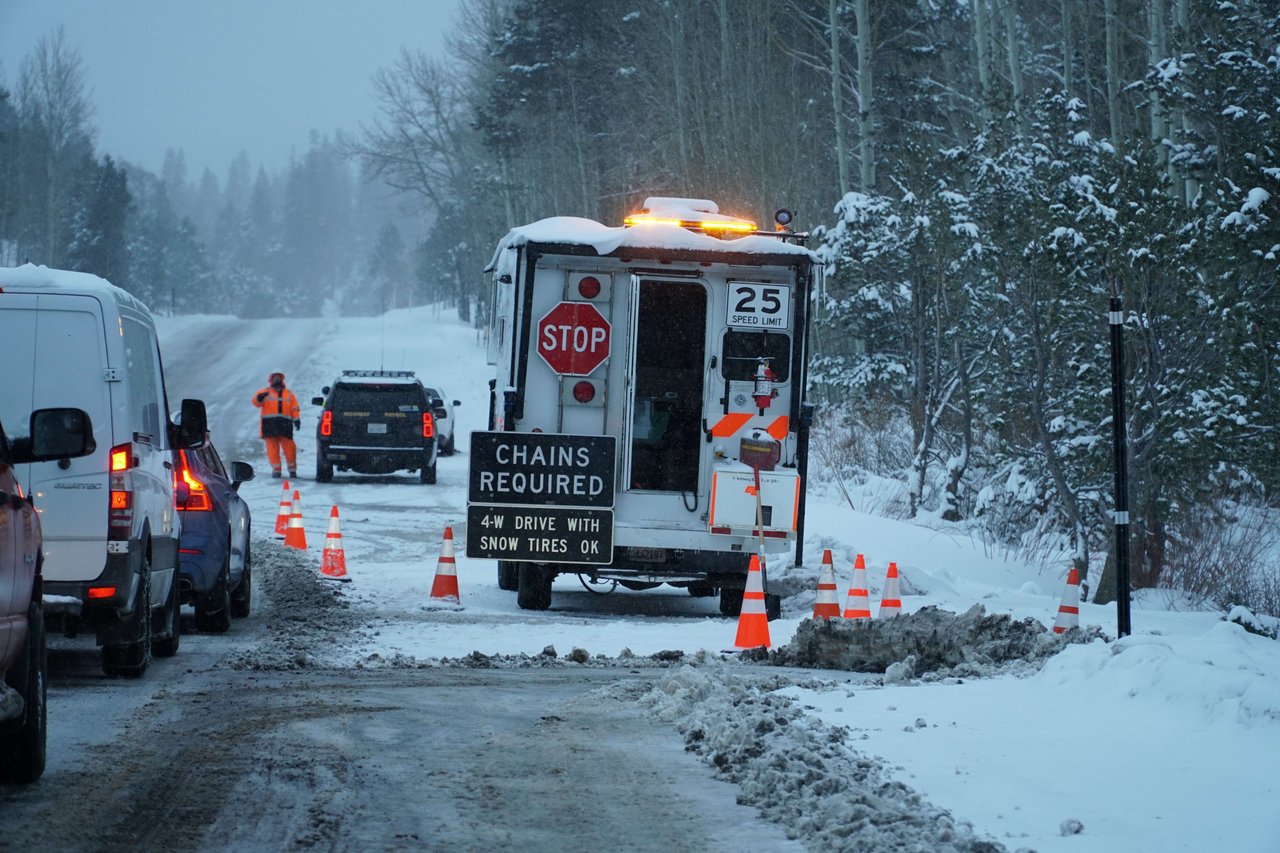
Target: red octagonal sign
[(573, 338)]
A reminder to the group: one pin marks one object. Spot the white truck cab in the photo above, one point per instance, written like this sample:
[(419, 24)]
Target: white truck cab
[(647, 417), (111, 528)]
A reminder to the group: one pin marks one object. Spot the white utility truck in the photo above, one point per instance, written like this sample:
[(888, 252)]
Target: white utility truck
[(647, 420)]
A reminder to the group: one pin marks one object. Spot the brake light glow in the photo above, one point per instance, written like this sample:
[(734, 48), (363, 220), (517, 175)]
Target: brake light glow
[(120, 502), (101, 591), (199, 500), (428, 425), (326, 424)]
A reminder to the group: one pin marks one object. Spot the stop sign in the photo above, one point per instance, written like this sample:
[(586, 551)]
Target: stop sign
[(573, 338)]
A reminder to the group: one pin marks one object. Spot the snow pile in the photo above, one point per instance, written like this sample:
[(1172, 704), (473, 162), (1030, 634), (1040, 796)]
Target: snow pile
[(1254, 623), (310, 621), (797, 770), (928, 640), (1226, 675)]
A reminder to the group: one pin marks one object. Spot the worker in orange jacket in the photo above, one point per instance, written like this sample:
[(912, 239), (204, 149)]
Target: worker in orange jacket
[(280, 417)]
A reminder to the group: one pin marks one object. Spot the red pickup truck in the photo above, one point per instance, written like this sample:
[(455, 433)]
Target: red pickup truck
[(54, 434)]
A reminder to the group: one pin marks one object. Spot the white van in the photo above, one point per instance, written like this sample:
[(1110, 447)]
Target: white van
[(110, 526)]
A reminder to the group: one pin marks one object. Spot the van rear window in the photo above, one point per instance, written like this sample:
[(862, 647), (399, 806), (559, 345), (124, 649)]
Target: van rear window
[(377, 398), (741, 351)]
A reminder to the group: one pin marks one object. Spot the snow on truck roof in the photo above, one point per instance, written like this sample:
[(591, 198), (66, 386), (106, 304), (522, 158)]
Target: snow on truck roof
[(30, 277), (606, 239)]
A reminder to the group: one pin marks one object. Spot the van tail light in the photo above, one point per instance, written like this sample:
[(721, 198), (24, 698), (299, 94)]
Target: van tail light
[(198, 500), (120, 507), (428, 425), (326, 424)]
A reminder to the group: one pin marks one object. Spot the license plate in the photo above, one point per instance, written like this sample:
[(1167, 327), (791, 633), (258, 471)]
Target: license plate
[(647, 555), (378, 429)]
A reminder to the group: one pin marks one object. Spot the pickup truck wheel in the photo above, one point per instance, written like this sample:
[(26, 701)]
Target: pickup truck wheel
[(533, 590), (130, 659), (213, 610), (731, 601), (508, 576), (165, 643), (22, 751), (242, 598)]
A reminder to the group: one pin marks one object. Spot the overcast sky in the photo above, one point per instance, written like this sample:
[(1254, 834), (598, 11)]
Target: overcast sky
[(213, 77)]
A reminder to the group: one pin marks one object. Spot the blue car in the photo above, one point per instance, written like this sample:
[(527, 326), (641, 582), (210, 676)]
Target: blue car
[(213, 553)]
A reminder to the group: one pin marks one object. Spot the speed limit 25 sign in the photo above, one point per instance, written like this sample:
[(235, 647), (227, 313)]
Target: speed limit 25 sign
[(753, 305)]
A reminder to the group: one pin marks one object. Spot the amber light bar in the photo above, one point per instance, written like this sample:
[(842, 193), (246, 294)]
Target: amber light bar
[(703, 225)]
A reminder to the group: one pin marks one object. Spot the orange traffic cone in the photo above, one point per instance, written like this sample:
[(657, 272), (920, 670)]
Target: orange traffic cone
[(858, 603), (333, 560), (826, 606), (296, 536), (282, 517), (445, 586), (753, 623), (891, 602), (1069, 609)]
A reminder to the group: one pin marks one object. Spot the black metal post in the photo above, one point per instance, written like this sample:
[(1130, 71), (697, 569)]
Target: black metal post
[(1121, 462), (802, 468)]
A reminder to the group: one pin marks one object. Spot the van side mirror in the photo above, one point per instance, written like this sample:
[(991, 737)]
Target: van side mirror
[(194, 426), (57, 434), (317, 401), (457, 402)]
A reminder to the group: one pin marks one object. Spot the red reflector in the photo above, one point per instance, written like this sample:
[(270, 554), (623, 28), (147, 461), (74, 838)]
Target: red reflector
[(119, 500), (428, 425), (589, 287), (326, 423), (190, 551), (724, 530), (584, 391), (102, 591)]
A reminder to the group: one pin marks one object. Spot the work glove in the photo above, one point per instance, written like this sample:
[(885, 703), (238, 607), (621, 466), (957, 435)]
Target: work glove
[(297, 423), (262, 395)]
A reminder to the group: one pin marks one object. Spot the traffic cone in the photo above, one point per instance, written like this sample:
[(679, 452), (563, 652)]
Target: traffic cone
[(286, 509), (445, 586), (1069, 609), (827, 605), (753, 622), (890, 601), (333, 560), (858, 604), (296, 536)]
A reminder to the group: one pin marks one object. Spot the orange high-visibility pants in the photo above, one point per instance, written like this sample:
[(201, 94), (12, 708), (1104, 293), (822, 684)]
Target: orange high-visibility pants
[(276, 443)]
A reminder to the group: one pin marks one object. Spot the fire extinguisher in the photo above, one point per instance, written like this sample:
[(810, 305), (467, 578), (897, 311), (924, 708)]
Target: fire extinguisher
[(764, 392)]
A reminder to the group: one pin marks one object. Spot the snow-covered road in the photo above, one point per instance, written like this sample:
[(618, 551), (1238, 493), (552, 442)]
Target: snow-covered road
[(363, 715)]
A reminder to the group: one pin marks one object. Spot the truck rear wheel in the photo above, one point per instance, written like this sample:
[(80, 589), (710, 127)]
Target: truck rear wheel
[(508, 576), (533, 589), (731, 600), (22, 751)]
